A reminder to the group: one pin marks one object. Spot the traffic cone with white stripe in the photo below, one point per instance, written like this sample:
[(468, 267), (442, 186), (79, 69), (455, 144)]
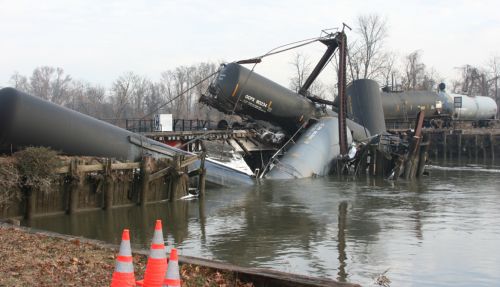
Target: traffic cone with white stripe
[(124, 268), (157, 260), (173, 278)]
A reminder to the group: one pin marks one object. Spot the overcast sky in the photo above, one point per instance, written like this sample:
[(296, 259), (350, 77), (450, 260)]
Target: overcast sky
[(99, 40)]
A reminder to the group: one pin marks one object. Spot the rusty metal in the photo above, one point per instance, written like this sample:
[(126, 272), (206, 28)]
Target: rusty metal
[(342, 95)]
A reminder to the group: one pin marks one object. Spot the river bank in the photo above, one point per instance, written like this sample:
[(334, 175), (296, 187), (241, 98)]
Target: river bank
[(37, 258)]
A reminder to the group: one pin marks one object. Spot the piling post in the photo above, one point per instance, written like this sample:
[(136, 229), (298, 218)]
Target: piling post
[(380, 164), (30, 203), (445, 144), (413, 153), (203, 170), (177, 179), (459, 143), (75, 182), (373, 156), (422, 160), (483, 147), (492, 146), (146, 166), (108, 185), (476, 146)]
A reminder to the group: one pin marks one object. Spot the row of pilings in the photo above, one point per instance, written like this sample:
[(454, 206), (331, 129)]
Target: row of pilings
[(464, 144), (88, 183)]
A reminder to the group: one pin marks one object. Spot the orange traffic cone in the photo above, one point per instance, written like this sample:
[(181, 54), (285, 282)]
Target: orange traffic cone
[(124, 268), (157, 260), (173, 278)]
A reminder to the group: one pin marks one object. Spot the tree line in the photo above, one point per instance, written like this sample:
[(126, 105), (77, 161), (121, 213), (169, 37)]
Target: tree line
[(134, 96), (370, 58), (130, 96)]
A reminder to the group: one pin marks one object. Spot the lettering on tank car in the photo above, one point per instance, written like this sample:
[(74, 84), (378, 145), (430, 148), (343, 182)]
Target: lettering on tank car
[(313, 133), (222, 75), (256, 103)]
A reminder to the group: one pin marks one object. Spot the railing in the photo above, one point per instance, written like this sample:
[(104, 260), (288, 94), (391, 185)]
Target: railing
[(144, 126)]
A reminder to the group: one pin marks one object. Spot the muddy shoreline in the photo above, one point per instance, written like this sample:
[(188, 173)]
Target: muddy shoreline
[(34, 257)]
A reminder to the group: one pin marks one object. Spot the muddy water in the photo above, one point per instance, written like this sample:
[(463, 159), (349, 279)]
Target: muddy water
[(443, 230)]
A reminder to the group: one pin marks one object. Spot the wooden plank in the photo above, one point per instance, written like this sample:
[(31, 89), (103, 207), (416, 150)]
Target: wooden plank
[(100, 167), (265, 277), (125, 165), (160, 174), (189, 161)]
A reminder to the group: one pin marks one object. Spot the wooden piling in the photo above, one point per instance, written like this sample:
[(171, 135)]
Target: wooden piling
[(476, 146), (203, 170), (108, 185), (30, 203), (459, 143), (380, 164), (146, 166), (422, 160), (411, 165), (75, 182), (373, 159), (445, 145), (492, 146)]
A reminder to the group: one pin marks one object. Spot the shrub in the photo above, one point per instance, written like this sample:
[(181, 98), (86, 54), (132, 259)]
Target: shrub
[(36, 167)]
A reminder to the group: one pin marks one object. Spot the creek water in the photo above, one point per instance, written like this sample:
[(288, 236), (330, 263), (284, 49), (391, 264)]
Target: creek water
[(441, 230)]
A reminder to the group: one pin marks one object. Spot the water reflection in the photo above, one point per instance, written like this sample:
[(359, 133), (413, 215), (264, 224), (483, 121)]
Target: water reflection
[(439, 231), (342, 225)]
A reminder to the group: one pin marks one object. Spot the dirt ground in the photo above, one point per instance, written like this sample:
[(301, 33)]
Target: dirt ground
[(36, 259)]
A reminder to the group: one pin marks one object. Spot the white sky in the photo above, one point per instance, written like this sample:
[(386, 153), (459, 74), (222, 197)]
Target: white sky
[(97, 41)]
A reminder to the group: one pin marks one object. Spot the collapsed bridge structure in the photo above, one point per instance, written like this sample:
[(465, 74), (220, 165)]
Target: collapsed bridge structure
[(309, 139)]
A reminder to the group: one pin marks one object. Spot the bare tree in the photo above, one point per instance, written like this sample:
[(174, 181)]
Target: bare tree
[(366, 55), (388, 71), (88, 99), (51, 84), (40, 82), (20, 82), (494, 69), (202, 71), (302, 69), (166, 88), (414, 71), (474, 80), (122, 94), (430, 80), (60, 87)]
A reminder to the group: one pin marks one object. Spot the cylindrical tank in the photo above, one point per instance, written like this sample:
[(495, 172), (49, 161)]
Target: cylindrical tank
[(27, 120), (475, 108), (406, 105), (313, 154), (364, 105), (260, 98), (30, 121)]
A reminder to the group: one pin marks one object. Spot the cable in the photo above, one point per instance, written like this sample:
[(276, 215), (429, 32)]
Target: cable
[(271, 52), (180, 94)]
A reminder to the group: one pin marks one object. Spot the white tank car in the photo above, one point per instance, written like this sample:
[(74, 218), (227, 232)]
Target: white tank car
[(473, 108)]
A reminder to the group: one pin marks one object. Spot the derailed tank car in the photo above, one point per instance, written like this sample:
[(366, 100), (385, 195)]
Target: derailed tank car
[(247, 93)]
